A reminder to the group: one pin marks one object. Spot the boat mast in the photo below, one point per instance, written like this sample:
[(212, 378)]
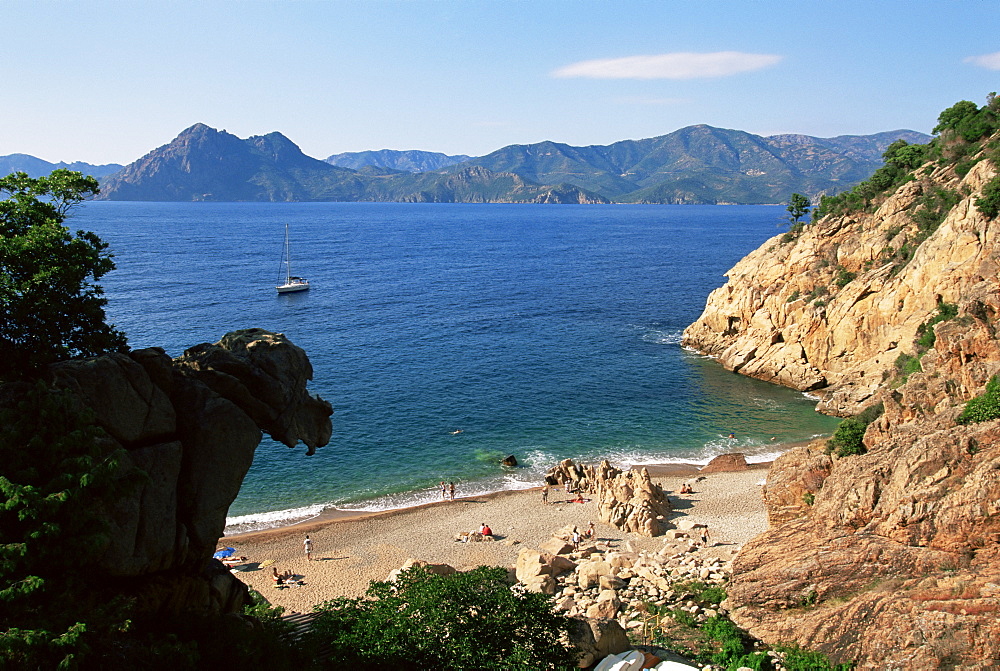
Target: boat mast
[(288, 258)]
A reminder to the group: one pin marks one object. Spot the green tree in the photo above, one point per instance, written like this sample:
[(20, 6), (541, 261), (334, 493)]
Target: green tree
[(952, 118), (798, 207), (50, 308), (472, 620)]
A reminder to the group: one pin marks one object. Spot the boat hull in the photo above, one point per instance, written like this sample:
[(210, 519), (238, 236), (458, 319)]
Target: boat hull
[(290, 288)]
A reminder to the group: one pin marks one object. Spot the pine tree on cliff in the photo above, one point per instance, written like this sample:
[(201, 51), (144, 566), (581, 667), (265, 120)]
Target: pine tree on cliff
[(51, 308)]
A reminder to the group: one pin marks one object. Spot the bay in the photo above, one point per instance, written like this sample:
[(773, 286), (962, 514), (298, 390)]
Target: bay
[(545, 332)]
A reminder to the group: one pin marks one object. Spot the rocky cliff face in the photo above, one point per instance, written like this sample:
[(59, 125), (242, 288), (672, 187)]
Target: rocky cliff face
[(190, 426), (891, 557), (832, 310)]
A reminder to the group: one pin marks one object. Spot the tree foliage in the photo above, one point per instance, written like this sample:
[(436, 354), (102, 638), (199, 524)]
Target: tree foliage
[(989, 202), (961, 129), (57, 468), (51, 307), (468, 621), (798, 207)]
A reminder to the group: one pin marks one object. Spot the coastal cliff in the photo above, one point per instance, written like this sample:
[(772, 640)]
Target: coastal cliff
[(830, 310), (887, 555)]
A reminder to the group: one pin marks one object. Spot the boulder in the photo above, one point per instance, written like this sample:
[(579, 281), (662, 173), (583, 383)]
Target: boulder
[(727, 463), (556, 546), (627, 499), (188, 429), (510, 460), (531, 563), (595, 639)]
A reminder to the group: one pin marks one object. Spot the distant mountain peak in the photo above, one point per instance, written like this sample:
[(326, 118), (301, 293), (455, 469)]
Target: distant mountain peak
[(695, 164)]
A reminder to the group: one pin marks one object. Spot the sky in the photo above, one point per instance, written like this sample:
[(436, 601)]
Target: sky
[(108, 81)]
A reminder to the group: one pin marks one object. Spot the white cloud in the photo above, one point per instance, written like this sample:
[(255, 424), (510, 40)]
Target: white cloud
[(988, 61), (681, 65)]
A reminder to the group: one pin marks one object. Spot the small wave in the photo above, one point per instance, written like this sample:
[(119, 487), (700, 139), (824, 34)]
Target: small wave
[(278, 518), (658, 337)]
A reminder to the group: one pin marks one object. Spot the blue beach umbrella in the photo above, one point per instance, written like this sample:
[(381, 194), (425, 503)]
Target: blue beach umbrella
[(224, 552)]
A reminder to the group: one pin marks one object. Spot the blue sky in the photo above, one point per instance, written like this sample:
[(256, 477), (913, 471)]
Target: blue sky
[(108, 81)]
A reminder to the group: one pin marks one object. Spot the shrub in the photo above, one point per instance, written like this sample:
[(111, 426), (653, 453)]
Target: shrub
[(703, 593), (984, 407), (844, 277), (925, 332), (907, 364), (469, 620), (795, 658), (847, 439), (989, 202)]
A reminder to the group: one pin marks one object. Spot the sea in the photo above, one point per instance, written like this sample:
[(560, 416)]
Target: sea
[(448, 336)]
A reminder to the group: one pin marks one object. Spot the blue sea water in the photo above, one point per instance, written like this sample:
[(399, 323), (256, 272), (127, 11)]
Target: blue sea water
[(544, 332)]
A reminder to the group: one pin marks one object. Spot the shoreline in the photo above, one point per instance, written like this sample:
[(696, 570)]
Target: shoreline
[(333, 515), (350, 549)]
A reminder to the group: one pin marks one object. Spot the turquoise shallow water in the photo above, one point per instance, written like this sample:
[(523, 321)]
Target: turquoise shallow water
[(541, 331)]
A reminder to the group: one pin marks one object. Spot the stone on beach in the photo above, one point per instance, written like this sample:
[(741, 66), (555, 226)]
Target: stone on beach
[(627, 499)]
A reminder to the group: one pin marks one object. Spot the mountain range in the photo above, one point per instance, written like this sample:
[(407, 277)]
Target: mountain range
[(391, 159), (696, 164), (36, 167)]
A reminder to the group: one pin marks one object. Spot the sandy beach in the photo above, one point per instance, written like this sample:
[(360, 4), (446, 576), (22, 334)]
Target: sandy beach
[(348, 552)]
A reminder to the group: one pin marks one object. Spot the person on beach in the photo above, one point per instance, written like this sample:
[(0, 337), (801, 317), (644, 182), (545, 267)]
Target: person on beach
[(589, 533), (704, 536), (308, 546), (444, 490), (575, 538), (545, 493), (485, 530), (451, 490)]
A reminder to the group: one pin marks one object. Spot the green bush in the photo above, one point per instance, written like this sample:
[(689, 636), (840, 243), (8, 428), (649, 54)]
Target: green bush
[(700, 592), (844, 277), (989, 202), (925, 332), (907, 364), (469, 620), (847, 439), (984, 407), (795, 658), (723, 640)]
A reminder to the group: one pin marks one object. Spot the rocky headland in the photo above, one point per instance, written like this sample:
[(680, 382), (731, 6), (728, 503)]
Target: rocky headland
[(889, 557), (188, 428)]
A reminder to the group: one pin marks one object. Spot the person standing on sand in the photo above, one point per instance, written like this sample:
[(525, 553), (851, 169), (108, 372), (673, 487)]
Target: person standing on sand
[(545, 493), (704, 536), (451, 490), (575, 539), (444, 490), (308, 546)]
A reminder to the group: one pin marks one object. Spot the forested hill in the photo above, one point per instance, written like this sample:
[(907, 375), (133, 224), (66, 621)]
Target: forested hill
[(703, 164), (697, 164)]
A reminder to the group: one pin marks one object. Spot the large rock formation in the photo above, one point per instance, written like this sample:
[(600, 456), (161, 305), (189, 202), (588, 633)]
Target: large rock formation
[(190, 428), (791, 314), (627, 499), (891, 557)]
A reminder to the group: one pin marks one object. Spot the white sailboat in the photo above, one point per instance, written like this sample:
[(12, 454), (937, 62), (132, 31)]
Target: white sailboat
[(288, 282)]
